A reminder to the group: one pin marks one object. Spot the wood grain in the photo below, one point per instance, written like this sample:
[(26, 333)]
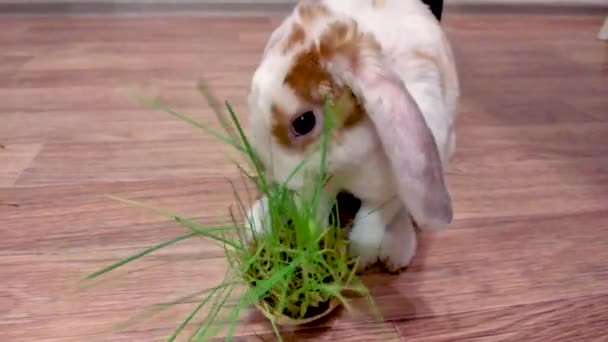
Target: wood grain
[(15, 158), (523, 261), (580, 319)]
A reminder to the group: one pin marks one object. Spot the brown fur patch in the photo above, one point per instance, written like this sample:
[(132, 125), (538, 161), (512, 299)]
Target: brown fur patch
[(349, 109), (296, 36), (309, 12), (344, 40), (307, 77), (280, 126), (312, 83)]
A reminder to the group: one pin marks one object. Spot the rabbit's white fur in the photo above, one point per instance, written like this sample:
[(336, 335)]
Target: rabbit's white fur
[(416, 54)]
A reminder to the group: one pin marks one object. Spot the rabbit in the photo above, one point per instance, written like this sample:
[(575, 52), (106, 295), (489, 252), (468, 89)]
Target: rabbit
[(389, 68)]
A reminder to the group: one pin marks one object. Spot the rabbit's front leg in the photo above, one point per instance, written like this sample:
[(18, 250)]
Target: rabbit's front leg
[(258, 218), (399, 242), (368, 230)]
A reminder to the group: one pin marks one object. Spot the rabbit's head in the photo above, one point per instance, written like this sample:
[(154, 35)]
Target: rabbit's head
[(313, 55)]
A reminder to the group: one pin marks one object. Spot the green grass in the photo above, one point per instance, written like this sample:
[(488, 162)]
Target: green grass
[(293, 270)]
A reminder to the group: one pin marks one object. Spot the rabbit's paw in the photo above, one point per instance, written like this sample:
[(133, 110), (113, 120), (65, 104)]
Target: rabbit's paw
[(257, 219), (399, 243), (365, 238)]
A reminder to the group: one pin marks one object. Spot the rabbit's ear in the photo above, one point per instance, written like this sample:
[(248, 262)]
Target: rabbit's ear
[(276, 36), (401, 127)]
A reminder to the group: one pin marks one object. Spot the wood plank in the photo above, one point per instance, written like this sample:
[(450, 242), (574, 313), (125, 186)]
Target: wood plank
[(493, 263), (123, 97), (523, 260), (14, 159), (125, 161), (348, 332), (469, 267), (10, 63), (580, 319), (80, 218)]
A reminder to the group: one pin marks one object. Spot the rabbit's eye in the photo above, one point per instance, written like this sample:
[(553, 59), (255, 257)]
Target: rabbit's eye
[(304, 123)]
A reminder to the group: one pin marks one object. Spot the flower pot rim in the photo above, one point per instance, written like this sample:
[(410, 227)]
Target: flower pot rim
[(287, 321)]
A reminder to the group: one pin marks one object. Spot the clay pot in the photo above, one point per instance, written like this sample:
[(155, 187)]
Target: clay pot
[(288, 321)]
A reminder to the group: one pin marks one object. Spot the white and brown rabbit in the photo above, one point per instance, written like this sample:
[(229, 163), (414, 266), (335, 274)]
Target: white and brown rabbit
[(390, 70)]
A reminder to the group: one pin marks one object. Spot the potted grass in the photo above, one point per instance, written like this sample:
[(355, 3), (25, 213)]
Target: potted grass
[(296, 272)]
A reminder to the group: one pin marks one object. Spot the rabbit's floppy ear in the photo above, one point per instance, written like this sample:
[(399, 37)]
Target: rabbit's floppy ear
[(355, 60)]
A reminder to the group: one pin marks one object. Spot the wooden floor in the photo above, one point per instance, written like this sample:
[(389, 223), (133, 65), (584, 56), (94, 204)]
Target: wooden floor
[(526, 258)]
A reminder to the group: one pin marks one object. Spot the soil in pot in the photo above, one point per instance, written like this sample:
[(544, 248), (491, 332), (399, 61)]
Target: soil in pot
[(320, 304)]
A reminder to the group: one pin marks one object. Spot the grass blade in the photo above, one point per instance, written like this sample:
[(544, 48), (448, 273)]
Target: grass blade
[(193, 226), (212, 101), (204, 333), (193, 313), (140, 254), (248, 148), (159, 106)]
